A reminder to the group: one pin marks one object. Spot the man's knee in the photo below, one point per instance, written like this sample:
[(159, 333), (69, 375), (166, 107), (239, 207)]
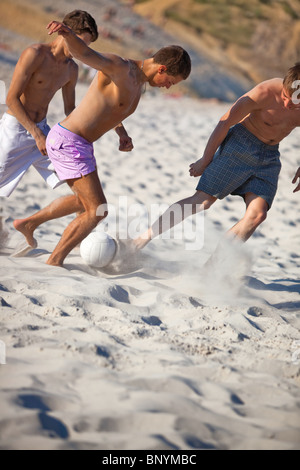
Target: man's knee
[(80, 206), (260, 217), (256, 218), (95, 216), (204, 201), (257, 209), (101, 211)]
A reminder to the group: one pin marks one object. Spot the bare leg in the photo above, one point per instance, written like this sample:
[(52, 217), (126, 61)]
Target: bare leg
[(255, 214), (59, 208), (175, 215), (89, 191)]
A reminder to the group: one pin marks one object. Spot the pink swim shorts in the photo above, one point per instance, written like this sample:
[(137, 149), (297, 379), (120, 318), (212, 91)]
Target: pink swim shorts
[(72, 156)]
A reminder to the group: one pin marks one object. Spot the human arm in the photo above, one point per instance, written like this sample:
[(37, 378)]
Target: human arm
[(109, 64), (126, 144), (244, 106), (296, 177), (68, 91), (28, 63)]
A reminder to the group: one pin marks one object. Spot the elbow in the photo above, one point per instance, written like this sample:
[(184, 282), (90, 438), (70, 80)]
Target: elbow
[(224, 124), (9, 100), (223, 127)]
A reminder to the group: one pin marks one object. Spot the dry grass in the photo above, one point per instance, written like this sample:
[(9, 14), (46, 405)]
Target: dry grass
[(261, 37)]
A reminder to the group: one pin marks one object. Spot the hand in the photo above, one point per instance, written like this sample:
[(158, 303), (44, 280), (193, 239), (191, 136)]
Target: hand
[(40, 140), (125, 141), (57, 27), (196, 169), (297, 175), (126, 144)]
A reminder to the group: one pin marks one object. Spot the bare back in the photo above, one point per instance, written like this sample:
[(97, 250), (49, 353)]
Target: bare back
[(272, 121), (107, 103), (38, 75)]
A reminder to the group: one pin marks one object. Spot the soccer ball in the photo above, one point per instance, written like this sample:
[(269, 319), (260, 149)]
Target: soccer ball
[(98, 249)]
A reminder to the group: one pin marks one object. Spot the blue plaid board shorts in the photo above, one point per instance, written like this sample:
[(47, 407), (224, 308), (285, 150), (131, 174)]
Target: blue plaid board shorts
[(242, 164)]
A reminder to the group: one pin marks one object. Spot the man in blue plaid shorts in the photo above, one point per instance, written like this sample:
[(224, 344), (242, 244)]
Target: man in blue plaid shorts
[(242, 157)]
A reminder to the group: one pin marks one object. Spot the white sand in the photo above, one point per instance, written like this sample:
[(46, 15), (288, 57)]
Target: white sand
[(163, 354)]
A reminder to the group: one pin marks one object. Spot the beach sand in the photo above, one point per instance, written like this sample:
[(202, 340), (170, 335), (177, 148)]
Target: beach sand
[(163, 353)]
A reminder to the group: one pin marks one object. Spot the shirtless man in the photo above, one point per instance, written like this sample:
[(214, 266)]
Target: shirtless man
[(40, 72), (113, 95), (242, 157)]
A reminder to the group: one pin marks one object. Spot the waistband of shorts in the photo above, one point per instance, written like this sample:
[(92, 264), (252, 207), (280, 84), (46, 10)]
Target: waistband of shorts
[(62, 131), (255, 140), (13, 121)]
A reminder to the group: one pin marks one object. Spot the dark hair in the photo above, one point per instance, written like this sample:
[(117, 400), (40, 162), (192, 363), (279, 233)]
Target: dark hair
[(81, 22), (176, 59), (292, 76)]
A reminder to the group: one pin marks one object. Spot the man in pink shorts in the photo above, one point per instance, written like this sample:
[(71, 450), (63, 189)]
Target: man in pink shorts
[(41, 71), (113, 96), (72, 155), (24, 128)]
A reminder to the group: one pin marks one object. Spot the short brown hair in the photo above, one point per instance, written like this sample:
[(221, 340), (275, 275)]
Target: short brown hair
[(292, 76), (176, 59), (81, 22)]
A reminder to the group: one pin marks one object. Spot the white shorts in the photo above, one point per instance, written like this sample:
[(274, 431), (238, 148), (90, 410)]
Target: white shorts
[(18, 151)]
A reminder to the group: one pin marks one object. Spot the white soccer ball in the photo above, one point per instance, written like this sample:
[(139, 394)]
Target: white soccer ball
[(98, 249)]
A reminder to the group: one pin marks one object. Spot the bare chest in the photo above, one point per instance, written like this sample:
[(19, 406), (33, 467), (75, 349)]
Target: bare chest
[(280, 118), (121, 96), (125, 99), (49, 78)]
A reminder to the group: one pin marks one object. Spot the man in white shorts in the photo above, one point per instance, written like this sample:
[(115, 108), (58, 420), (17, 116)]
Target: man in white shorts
[(41, 71)]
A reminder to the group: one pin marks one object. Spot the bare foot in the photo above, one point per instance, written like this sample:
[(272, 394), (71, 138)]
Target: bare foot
[(23, 226), (52, 263), (55, 260)]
